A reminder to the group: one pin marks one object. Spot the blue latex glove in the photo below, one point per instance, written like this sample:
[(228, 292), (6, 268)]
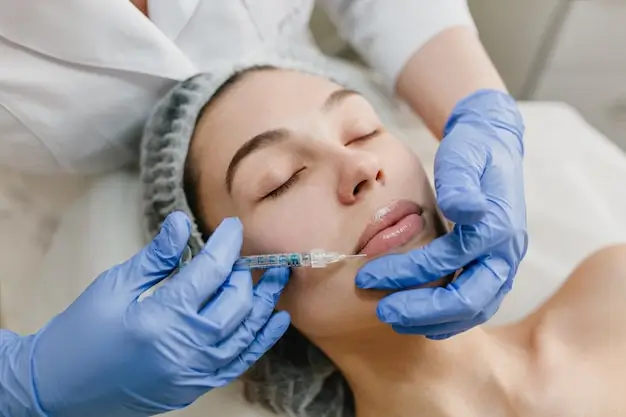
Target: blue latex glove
[(479, 185), (110, 355)]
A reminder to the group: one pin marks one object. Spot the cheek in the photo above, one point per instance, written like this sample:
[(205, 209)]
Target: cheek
[(298, 221), (322, 302)]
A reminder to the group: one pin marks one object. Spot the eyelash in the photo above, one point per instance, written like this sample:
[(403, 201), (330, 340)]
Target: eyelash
[(294, 178), (285, 186), (370, 135)]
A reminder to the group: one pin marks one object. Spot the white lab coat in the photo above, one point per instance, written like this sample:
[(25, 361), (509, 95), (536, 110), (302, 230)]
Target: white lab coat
[(79, 77)]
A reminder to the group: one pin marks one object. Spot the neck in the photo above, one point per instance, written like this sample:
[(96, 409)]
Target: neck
[(394, 375)]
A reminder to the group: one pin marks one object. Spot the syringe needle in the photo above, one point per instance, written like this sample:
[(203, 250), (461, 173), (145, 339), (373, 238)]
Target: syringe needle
[(344, 257), (358, 255)]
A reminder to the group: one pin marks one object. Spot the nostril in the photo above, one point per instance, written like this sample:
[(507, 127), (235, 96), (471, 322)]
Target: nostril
[(358, 187), (379, 176)]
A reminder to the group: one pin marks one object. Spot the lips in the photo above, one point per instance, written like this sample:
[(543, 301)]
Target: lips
[(392, 226)]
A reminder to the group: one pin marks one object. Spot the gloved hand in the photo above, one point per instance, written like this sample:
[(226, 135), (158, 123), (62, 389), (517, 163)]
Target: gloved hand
[(110, 355), (479, 186)]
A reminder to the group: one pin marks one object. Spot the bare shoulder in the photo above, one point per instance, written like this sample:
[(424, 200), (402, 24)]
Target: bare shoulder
[(590, 308)]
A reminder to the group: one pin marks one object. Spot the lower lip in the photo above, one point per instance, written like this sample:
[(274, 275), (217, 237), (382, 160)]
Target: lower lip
[(394, 236)]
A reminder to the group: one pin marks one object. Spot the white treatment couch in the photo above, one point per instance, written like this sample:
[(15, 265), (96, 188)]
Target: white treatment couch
[(56, 236)]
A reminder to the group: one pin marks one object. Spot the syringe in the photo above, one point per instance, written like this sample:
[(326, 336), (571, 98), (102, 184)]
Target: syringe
[(317, 258)]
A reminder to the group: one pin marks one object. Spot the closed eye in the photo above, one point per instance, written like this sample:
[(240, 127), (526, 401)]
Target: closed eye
[(370, 135), (277, 192)]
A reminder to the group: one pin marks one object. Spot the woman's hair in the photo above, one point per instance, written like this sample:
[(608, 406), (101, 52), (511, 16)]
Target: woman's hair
[(294, 377)]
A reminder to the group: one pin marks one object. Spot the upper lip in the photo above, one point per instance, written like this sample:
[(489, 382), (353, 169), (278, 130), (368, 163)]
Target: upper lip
[(386, 216)]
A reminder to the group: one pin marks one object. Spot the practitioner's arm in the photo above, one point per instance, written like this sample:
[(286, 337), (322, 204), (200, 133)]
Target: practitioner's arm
[(449, 67)]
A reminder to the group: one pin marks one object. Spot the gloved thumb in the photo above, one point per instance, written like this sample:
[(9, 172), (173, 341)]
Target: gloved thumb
[(161, 256), (457, 183), (462, 207)]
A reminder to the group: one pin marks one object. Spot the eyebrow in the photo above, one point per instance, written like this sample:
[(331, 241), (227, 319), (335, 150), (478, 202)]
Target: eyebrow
[(275, 136), (337, 97)]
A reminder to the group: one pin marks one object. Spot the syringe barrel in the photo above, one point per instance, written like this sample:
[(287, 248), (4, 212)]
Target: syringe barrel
[(319, 258), (289, 260)]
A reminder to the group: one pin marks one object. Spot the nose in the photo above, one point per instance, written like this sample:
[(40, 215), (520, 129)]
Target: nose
[(360, 172)]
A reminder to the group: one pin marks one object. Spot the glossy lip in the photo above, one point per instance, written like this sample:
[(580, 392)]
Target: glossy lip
[(385, 217)]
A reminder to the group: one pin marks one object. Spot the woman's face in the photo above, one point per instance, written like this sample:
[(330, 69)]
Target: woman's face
[(306, 164)]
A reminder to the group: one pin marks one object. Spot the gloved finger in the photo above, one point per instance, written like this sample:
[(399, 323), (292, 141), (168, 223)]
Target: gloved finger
[(458, 173), (228, 308), (462, 299), (441, 257), (209, 269), (160, 257), (437, 332), (268, 336), (442, 336), (266, 294), (445, 330)]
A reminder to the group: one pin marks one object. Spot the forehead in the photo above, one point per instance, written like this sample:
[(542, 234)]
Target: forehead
[(258, 101)]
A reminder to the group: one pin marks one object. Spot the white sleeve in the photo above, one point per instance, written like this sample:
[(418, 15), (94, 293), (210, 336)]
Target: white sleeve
[(387, 32)]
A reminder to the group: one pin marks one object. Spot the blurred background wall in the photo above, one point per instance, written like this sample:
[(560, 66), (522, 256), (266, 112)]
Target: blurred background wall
[(550, 50)]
